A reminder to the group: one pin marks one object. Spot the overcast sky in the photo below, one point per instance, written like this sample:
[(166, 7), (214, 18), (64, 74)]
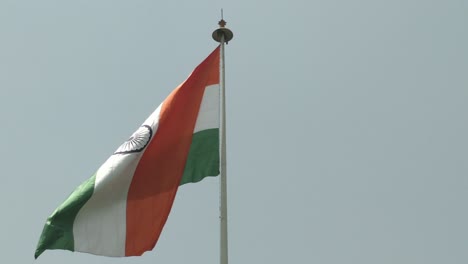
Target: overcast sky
[(347, 124)]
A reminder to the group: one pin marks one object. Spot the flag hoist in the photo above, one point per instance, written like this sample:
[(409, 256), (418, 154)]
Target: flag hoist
[(121, 210)]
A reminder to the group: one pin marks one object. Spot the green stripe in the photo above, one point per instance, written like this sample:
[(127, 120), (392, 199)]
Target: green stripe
[(203, 158), (58, 230)]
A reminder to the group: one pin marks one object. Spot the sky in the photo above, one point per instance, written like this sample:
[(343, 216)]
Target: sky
[(347, 124)]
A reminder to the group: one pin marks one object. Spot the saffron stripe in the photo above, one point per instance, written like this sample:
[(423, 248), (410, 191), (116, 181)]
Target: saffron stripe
[(160, 169)]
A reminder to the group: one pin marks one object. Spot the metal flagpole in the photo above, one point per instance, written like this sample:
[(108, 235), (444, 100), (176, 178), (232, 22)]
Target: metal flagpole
[(223, 35)]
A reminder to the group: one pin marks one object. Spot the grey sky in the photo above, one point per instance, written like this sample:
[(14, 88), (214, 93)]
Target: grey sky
[(347, 124)]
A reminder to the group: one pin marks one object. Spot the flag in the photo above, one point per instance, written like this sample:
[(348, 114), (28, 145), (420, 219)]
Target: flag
[(121, 210)]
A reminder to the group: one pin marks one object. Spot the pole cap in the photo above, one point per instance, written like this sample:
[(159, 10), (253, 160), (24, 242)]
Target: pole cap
[(222, 31)]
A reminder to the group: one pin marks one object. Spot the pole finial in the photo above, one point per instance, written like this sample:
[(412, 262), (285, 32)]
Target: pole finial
[(222, 31)]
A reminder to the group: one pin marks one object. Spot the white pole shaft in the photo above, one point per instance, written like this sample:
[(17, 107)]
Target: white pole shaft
[(223, 185)]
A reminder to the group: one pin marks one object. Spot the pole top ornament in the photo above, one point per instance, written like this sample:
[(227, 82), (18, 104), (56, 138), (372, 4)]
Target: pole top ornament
[(222, 31)]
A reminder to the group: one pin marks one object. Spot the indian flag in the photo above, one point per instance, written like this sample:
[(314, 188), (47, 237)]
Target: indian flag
[(121, 210)]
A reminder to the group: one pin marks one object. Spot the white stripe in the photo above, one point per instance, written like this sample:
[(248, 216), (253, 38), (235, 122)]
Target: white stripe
[(208, 116), (100, 225)]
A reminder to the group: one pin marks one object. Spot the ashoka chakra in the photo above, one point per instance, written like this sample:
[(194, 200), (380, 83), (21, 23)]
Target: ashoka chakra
[(137, 142)]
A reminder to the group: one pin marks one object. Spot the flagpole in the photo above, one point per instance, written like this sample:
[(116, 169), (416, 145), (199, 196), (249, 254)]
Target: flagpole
[(223, 35)]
